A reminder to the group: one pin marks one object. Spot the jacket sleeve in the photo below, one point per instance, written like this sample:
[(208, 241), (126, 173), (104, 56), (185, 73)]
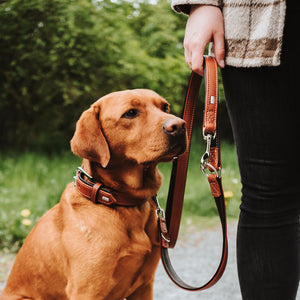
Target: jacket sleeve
[(184, 6)]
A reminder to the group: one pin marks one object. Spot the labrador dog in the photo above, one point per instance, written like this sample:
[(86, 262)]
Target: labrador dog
[(85, 250)]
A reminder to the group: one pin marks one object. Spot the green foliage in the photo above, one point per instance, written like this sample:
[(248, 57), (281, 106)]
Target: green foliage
[(59, 56), (33, 182)]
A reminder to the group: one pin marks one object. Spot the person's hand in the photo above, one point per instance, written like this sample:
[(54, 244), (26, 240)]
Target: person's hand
[(205, 24)]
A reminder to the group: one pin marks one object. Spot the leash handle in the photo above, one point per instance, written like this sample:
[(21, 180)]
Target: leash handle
[(210, 166)]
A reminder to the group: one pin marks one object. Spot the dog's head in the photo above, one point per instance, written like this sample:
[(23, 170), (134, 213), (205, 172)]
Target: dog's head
[(130, 125)]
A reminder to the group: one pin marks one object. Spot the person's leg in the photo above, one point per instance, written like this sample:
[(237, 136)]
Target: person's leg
[(264, 112), (265, 122)]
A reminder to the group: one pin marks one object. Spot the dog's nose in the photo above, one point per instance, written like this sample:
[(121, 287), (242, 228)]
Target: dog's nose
[(174, 126)]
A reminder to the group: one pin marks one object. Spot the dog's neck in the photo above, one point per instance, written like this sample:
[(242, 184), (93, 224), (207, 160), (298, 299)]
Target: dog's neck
[(136, 180)]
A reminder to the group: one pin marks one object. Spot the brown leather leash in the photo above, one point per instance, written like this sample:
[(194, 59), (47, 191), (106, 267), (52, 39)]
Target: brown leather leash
[(210, 166)]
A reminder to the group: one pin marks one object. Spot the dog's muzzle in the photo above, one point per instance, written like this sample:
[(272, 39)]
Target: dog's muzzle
[(175, 129)]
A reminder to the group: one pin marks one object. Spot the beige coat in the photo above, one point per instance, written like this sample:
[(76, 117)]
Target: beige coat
[(253, 29)]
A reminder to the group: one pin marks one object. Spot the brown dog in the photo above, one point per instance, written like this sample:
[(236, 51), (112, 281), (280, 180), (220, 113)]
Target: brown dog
[(85, 250)]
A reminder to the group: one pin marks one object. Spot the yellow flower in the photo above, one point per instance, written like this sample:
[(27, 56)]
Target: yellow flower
[(26, 222), (25, 213), (228, 194)]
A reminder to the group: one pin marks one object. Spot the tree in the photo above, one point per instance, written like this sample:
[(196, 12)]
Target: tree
[(59, 56)]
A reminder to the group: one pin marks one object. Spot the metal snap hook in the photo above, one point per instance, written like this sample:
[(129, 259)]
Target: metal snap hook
[(204, 165)]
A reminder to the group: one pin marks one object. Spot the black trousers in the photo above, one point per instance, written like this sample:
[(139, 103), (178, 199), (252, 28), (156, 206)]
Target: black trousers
[(263, 105)]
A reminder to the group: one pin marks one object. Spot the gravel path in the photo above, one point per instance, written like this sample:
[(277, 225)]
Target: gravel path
[(195, 258)]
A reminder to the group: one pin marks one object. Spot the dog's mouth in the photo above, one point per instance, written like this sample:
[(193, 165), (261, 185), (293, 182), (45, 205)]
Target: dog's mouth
[(175, 150), (177, 144), (147, 164), (172, 151), (177, 147)]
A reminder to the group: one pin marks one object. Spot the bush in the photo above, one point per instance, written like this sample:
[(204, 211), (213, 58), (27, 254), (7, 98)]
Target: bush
[(59, 56)]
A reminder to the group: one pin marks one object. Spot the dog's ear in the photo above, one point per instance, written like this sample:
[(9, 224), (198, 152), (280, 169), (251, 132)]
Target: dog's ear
[(88, 140)]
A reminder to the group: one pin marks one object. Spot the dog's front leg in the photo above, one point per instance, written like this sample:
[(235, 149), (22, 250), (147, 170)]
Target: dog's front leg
[(85, 296), (144, 292), (82, 293)]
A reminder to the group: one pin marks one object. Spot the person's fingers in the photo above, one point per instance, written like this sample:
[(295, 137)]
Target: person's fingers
[(194, 51), (194, 59), (219, 49), (188, 57), (197, 60), (205, 24)]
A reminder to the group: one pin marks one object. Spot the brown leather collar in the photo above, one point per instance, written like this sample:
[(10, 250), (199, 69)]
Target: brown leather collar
[(100, 194)]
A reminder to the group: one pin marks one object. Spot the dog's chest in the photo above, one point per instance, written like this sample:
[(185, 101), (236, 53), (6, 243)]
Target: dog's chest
[(121, 246), (121, 239), (137, 261), (138, 244)]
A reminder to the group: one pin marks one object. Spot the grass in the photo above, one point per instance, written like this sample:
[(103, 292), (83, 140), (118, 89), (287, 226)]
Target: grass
[(31, 183)]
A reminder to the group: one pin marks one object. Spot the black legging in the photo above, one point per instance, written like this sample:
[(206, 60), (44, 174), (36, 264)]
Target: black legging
[(263, 104)]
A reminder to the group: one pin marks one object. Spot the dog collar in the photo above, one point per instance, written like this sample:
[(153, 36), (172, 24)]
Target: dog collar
[(100, 194)]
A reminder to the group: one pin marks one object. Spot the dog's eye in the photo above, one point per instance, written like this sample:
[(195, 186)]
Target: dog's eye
[(165, 108), (130, 114)]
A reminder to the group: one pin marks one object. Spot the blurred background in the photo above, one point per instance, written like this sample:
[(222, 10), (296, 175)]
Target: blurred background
[(59, 56)]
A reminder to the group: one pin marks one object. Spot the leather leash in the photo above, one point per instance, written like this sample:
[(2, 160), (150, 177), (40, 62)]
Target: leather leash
[(210, 166)]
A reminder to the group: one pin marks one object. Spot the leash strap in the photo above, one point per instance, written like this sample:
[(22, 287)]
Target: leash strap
[(210, 166)]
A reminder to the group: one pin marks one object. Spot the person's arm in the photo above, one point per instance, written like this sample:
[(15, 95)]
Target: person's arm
[(204, 25)]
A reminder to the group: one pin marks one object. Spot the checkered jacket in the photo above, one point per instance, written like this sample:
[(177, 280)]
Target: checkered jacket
[(253, 29)]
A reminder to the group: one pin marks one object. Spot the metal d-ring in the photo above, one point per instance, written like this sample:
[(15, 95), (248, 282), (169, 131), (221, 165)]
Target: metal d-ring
[(85, 173), (205, 166), (160, 213)]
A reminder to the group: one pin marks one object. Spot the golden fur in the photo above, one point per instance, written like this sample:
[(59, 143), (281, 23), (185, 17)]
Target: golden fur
[(82, 250)]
